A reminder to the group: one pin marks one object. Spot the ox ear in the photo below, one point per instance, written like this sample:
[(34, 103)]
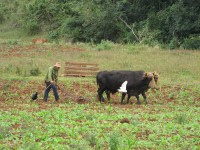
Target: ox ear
[(154, 73)]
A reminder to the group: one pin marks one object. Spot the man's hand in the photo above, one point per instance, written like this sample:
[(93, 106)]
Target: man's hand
[(52, 82)]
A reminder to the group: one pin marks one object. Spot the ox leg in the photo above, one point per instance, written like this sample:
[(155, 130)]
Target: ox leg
[(145, 97), (129, 96), (100, 95), (108, 95), (138, 99), (123, 96)]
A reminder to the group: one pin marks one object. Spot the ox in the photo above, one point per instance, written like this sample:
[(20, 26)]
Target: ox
[(138, 83)]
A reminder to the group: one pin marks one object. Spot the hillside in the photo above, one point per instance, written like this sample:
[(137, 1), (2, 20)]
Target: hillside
[(171, 24)]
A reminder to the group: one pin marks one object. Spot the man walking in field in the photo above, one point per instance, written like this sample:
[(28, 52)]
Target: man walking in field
[(51, 80)]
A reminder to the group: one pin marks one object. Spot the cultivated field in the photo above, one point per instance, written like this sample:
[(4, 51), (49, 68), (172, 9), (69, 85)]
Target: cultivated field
[(170, 120)]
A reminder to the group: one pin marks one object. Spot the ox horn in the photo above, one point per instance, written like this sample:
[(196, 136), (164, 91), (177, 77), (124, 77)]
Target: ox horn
[(148, 74)]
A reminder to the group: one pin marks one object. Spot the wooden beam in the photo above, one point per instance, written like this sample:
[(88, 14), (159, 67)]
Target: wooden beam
[(82, 63), (81, 68), (80, 72), (77, 75)]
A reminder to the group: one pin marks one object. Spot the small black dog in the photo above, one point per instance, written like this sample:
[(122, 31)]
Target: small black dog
[(34, 96)]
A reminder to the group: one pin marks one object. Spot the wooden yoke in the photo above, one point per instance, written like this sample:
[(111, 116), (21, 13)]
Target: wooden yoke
[(80, 69)]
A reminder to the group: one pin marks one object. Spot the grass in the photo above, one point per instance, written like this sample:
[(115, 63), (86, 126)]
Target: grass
[(174, 66), (169, 121), (69, 126)]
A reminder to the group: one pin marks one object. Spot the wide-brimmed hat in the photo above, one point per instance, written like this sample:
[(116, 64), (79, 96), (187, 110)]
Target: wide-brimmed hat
[(57, 65)]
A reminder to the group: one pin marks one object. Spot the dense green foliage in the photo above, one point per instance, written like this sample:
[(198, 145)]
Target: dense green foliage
[(175, 23)]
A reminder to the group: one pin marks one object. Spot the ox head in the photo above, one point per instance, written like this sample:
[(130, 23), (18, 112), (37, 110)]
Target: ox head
[(153, 77), (156, 76)]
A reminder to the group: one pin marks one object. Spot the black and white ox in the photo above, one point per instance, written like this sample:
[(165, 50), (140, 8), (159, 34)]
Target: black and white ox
[(138, 82)]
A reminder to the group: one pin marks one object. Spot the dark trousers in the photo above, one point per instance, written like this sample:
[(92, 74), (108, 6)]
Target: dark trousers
[(50, 86)]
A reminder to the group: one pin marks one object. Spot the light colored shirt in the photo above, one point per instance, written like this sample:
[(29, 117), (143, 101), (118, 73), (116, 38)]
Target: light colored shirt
[(52, 75)]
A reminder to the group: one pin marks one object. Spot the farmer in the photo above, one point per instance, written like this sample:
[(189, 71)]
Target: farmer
[(51, 80)]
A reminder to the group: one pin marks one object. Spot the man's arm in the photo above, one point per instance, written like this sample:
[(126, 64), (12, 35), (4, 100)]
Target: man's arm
[(50, 75)]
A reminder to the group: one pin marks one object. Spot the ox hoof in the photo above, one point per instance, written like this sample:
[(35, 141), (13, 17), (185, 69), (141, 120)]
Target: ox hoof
[(102, 101), (138, 103), (122, 103)]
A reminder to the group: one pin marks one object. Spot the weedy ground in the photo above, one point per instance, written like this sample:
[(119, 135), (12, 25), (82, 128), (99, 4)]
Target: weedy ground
[(170, 120)]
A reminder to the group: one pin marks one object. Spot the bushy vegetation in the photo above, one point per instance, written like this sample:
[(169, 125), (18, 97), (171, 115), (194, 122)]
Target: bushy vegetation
[(191, 43), (35, 71), (171, 23)]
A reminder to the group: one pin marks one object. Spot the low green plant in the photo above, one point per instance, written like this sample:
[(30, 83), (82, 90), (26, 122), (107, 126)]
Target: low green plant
[(13, 42), (85, 55), (132, 49), (18, 71), (35, 71), (8, 69), (49, 53), (109, 109), (4, 132), (181, 118), (89, 117), (184, 94), (6, 86), (80, 145), (104, 45), (114, 141), (91, 137)]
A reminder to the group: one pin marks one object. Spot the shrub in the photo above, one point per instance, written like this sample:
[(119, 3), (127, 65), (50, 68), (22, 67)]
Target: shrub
[(9, 69), (35, 71), (13, 42), (53, 35), (192, 43), (2, 19), (104, 45), (18, 71), (174, 43), (33, 28)]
